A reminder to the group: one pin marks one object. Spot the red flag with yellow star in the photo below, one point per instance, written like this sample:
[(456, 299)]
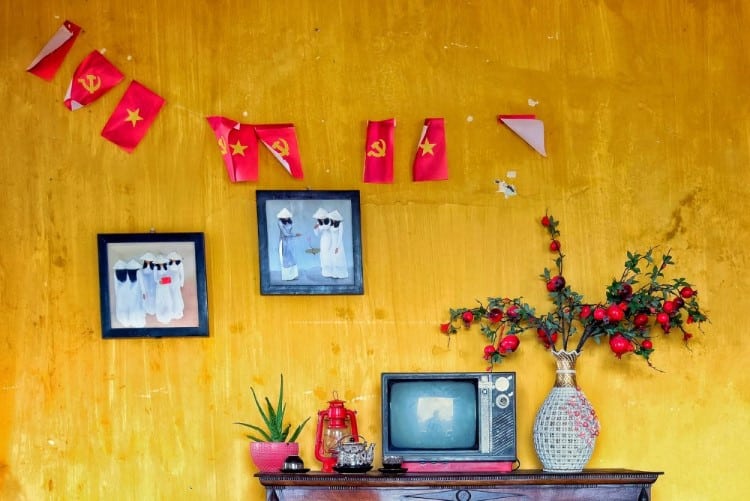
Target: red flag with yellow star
[(93, 78), (431, 160), (281, 141), (133, 116), (379, 151), (238, 146), (50, 58)]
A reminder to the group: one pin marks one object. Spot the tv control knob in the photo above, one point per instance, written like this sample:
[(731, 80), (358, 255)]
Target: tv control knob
[(502, 401), (502, 383)]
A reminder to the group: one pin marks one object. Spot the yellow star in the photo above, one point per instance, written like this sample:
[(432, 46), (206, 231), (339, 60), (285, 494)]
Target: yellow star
[(427, 147), (238, 148), (134, 116)]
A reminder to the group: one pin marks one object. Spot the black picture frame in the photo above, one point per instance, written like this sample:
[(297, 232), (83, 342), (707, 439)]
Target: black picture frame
[(139, 298), (306, 268)]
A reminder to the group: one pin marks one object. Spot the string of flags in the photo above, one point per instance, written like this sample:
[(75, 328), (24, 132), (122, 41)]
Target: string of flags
[(238, 142)]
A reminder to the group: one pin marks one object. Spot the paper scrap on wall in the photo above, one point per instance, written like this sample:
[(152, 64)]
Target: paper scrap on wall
[(528, 128)]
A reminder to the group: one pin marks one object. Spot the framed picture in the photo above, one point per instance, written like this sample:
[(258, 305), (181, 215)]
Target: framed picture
[(152, 285), (309, 242)]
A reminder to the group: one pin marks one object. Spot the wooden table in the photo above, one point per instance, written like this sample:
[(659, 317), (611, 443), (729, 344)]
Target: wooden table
[(589, 485)]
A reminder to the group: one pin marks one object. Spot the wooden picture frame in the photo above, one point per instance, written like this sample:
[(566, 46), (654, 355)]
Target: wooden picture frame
[(317, 250), (152, 285)]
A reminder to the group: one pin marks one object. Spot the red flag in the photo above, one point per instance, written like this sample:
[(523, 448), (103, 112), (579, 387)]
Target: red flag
[(431, 160), (49, 59), (238, 146), (93, 78), (133, 116), (281, 141), (379, 151)]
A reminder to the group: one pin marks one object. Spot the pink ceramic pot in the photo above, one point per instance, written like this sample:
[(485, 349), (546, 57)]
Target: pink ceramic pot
[(270, 456)]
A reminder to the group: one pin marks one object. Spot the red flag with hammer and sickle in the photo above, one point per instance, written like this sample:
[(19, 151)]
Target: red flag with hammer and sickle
[(50, 58), (238, 146), (379, 151), (431, 159), (92, 79), (281, 141), (133, 116)]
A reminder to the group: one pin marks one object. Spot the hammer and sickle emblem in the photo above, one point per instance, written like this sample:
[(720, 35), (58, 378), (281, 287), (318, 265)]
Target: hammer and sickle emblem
[(90, 82), (377, 149), (281, 146), (223, 145)]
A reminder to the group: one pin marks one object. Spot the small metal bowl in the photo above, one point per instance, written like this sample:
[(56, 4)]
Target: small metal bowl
[(294, 464)]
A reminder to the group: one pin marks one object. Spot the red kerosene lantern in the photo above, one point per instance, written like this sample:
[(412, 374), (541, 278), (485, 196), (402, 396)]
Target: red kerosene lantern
[(334, 423)]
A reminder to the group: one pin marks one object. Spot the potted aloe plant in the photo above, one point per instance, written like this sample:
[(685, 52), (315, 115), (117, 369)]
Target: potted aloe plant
[(271, 443)]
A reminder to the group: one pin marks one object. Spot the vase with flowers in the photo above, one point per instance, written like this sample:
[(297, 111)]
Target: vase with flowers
[(638, 303)]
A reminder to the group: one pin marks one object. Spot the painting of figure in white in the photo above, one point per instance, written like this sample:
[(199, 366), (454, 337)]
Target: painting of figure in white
[(153, 285), (322, 230), (325, 237), (337, 250), (287, 249)]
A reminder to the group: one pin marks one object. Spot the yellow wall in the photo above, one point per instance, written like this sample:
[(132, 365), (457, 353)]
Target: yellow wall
[(646, 110)]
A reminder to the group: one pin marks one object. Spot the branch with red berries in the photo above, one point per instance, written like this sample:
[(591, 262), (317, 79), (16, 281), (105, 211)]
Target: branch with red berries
[(640, 301)]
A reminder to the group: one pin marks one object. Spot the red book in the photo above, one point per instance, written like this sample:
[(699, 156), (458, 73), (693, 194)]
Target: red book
[(49, 59), (379, 151), (133, 116), (431, 160), (93, 78), (281, 141), (238, 146)]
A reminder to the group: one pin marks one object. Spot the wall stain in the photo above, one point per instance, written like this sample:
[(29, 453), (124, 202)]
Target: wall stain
[(345, 313), (677, 225)]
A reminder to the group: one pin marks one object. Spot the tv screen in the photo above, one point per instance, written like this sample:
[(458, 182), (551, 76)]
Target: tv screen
[(434, 415), (457, 417)]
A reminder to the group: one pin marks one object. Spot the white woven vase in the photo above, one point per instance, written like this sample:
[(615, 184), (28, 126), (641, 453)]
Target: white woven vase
[(566, 425)]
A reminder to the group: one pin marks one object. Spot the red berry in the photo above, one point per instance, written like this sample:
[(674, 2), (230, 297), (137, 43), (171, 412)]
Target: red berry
[(614, 313), (668, 307), (467, 317), (554, 245), (495, 315), (662, 318), (585, 311), (599, 313), (687, 292), (555, 283), (647, 344), (512, 312), (509, 343), (445, 328), (625, 290), (620, 345), (545, 221), (640, 320), (678, 302), (489, 350)]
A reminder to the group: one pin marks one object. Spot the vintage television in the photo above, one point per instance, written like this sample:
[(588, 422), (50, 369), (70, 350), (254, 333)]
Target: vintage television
[(458, 421)]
